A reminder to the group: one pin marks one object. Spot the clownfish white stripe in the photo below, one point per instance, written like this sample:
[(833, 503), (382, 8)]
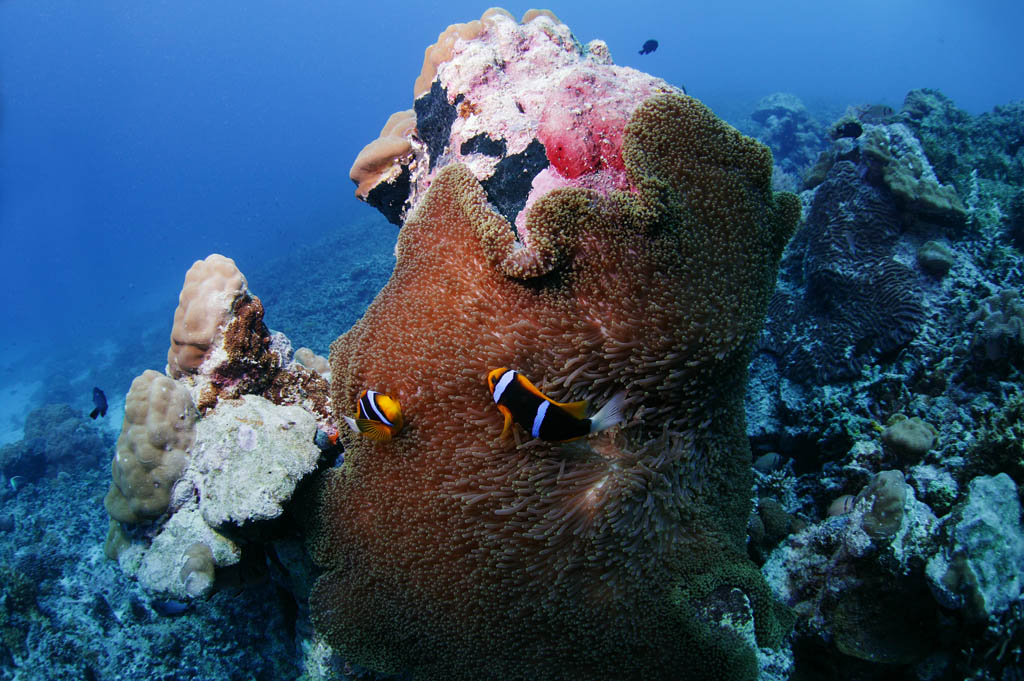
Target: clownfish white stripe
[(499, 389), (542, 409), (371, 402)]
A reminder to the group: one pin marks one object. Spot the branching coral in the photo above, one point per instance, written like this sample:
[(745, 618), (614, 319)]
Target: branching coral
[(453, 555)]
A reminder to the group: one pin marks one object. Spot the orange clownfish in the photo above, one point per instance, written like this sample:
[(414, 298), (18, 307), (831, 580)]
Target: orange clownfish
[(521, 401), (378, 416)]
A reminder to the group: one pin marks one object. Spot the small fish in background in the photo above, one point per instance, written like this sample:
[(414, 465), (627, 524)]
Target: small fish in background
[(519, 400), (378, 416), (649, 46), (166, 607), (99, 401)]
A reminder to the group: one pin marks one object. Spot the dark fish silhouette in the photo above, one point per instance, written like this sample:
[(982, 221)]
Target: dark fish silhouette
[(167, 607), (99, 400), (649, 46)]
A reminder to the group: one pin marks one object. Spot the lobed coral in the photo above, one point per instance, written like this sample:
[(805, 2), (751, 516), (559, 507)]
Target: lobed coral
[(381, 155), (152, 450), (999, 334), (212, 286), (619, 556)]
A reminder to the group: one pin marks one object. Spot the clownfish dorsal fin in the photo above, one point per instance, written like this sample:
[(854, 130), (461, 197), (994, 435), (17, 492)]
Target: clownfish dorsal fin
[(577, 409)]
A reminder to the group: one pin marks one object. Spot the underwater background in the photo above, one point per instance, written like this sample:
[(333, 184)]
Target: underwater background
[(137, 138)]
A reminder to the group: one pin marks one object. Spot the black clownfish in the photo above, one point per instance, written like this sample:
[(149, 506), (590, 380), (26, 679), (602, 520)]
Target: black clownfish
[(519, 400), (378, 416)]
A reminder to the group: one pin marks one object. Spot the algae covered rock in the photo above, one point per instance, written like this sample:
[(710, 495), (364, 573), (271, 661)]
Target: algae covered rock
[(249, 456), (979, 570)]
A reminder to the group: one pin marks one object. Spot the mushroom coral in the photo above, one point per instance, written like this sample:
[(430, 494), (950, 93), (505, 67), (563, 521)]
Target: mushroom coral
[(449, 553)]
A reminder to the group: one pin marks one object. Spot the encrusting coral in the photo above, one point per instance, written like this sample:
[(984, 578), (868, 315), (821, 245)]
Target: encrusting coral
[(454, 555)]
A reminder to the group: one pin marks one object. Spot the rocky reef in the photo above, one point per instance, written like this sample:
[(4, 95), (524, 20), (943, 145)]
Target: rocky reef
[(887, 387)]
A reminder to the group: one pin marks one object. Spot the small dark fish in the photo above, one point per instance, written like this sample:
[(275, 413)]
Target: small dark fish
[(649, 46), (167, 607), (99, 400)]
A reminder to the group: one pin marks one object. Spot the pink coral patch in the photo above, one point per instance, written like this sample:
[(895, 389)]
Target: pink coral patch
[(582, 125)]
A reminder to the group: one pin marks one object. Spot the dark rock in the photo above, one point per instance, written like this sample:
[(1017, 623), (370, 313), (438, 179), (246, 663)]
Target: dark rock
[(390, 197), (483, 144), (508, 188), (434, 118)]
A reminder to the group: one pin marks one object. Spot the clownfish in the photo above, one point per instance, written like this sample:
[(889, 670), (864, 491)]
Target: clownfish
[(520, 401), (378, 416)]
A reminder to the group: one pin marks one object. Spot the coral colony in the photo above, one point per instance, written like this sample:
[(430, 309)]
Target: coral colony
[(607, 236)]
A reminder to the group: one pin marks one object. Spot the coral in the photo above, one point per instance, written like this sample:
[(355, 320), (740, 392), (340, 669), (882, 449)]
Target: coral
[(894, 152), (206, 302), (197, 572), (999, 442), (159, 427), (1015, 220), (935, 258), (844, 299), (886, 495), (246, 461), (219, 475), (794, 137), (999, 335), (380, 155), (768, 526), (856, 578), (958, 144), (620, 556), (219, 341), (910, 438), (524, 106), (979, 569), (57, 438), (309, 359)]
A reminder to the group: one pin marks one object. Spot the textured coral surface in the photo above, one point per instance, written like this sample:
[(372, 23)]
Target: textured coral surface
[(159, 427), (453, 554)]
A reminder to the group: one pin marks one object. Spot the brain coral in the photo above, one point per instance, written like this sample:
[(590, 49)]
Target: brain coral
[(843, 299), (453, 555)]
